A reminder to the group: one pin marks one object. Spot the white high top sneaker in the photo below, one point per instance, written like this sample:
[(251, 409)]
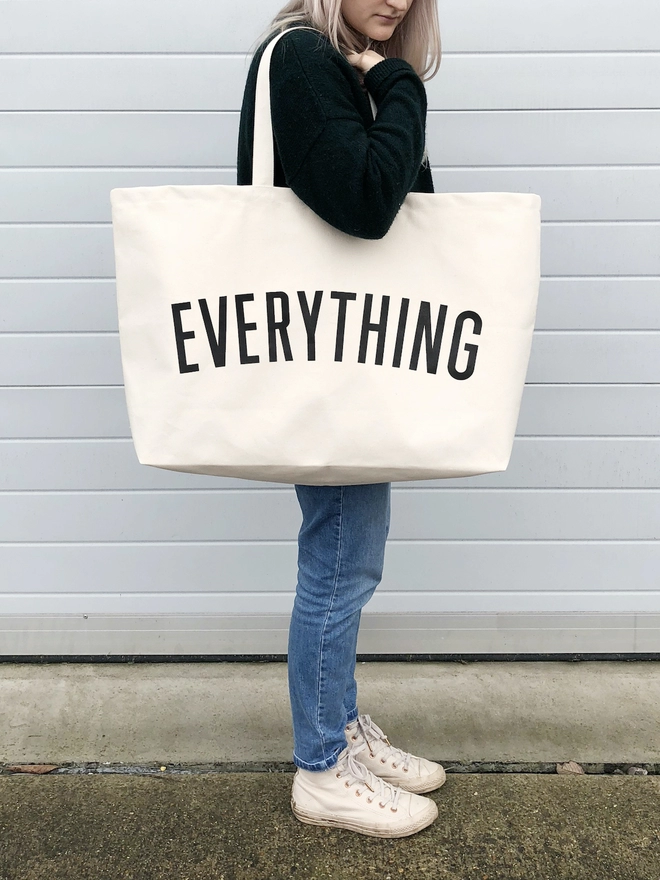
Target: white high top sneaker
[(350, 796), (386, 761)]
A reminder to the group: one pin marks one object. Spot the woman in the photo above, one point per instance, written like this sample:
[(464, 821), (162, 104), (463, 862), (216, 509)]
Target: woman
[(355, 173)]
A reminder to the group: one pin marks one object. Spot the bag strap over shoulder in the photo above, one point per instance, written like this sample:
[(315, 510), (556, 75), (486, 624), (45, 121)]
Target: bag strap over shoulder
[(263, 148)]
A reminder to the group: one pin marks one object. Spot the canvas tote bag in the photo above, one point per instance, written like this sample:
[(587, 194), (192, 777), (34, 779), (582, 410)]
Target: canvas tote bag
[(259, 342)]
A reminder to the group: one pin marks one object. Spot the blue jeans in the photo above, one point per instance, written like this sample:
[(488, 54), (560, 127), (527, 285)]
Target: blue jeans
[(341, 547)]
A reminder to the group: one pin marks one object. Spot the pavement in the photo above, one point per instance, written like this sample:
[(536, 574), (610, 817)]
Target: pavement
[(595, 712), (238, 826), (106, 811)]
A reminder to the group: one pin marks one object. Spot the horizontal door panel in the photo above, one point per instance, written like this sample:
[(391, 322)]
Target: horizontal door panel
[(215, 82), (56, 252), (518, 26), (63, 412), (427, 514), (88, 359), (545, 82), (72, 195), (528, 568), (566, 249), (535, 463), (102, 82), (418, 514), (599, 304), (133, 25), (118, 139), (202, 26), (590, 410), (577, 463), (45, 305), (60, 360), (567, 193), (69, 195), (552, 137), (95, 465), (106, 633), (606, 249), (546, 410), (595, 357)]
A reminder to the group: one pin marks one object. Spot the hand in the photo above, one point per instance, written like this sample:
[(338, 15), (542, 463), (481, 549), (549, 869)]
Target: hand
[(365, 60)]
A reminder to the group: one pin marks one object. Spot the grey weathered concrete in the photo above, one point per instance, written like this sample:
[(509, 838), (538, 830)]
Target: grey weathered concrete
[(240, 827), (215, 712)]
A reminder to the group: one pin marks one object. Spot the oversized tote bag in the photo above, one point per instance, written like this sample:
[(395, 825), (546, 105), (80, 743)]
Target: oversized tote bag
[(259, 342)]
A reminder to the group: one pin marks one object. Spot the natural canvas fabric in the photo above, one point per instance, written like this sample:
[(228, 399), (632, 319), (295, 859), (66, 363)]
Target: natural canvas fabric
[(259, 342)]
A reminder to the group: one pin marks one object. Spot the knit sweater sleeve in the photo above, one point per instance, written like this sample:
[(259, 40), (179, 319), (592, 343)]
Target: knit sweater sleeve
[(352, 172)]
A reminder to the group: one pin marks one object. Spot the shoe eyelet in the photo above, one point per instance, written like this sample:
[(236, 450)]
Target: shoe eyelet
[(346, 784), (383, 761), (382, 806), (358, 793), (338, 775), (394, 809), (394, 766), (405, 769), (369, 800), (354, 738)]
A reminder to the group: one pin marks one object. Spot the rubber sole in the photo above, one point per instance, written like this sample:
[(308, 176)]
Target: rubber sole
[(425, 819)]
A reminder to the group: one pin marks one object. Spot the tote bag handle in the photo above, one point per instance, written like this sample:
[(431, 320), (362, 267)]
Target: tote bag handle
[(263, 147)]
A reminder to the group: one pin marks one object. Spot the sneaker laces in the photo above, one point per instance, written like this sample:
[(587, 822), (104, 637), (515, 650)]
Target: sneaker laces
[(373, 735), (348, 765)]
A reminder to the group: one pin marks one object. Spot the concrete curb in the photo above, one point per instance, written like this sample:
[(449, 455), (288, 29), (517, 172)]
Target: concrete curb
[(191, 713)]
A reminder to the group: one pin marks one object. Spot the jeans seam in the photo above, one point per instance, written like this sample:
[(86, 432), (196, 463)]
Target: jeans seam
[(327, 615)]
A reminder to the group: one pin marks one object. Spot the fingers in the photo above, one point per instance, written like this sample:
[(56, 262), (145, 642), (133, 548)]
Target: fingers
[(364, 61), (355, 59)]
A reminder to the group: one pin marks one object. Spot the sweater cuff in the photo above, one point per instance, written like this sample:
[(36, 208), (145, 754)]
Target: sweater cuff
[(379, 73)]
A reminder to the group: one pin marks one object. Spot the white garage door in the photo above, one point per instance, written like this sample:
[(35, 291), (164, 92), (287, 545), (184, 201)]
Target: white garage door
[(99, 555)]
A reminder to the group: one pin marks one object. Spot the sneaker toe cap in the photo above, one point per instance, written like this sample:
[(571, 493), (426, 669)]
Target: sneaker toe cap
[(417, 805)]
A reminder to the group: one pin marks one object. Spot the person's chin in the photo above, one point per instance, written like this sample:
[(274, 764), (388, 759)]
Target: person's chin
[(381, 33)]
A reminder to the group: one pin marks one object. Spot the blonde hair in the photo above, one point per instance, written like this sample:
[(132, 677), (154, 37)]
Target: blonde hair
[(416, 39)]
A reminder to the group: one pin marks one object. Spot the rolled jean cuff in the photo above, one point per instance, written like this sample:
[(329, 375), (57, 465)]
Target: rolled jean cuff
[(326, 764), (352, 715)]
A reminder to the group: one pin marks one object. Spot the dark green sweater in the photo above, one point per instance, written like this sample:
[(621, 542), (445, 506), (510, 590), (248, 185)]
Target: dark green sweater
[(354, 172)]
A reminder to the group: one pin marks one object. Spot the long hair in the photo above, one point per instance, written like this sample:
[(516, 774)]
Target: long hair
[(416, 39)]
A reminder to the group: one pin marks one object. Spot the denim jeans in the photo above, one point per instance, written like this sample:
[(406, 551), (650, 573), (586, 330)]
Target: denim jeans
[(341, 547)]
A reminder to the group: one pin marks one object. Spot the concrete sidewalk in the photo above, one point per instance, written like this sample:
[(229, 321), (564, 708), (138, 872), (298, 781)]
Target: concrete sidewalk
[(591, 712), (235, 826)]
